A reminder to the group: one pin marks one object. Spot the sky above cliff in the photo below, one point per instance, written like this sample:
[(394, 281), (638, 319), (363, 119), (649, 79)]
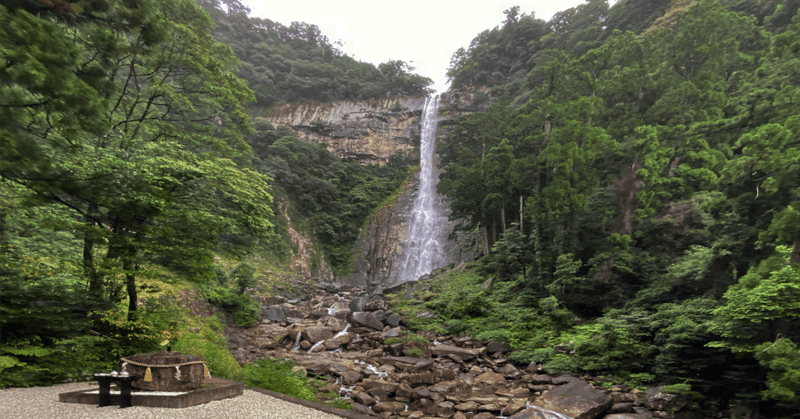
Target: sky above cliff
[(424, 33)]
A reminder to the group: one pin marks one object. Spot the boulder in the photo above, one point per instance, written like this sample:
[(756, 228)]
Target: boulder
[(392, 407), (450, 388), (514, 407), (665, 402), (364, 319), (364, 398), (294, 313), (467, 406), (509, 371), (424, 405), (394, 319), (445, 409), (337, 325), (404, 391), (271, 301), (351, 377), (357, 304), (576, 399), (375, 305), (490, 378), (541, 379), (372, 384), (463, 353), (416, 380), (392, 333), (275, 314), (317, 334), (533, 368), (421, 365), (494, 347), (625, 407)]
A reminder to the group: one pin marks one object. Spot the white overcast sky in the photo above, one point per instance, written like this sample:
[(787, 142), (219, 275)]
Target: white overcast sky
[(424, 33)]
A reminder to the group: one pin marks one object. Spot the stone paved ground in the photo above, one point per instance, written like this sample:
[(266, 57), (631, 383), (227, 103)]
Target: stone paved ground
[(42, 403)]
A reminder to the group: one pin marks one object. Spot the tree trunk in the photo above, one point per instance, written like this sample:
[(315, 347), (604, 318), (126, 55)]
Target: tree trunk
[(520, 213), (95, 279), (503, 215), (3, 234), (795, 255), (485, 237), (130, 283)]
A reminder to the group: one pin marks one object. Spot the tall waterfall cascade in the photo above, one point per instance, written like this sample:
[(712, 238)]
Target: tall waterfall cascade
[(428, 227)]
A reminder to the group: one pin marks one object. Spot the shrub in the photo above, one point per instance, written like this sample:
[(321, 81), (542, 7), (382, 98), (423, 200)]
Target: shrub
[(456, 327), (244, 276), (276, 375), (243, 309), (212, 347)]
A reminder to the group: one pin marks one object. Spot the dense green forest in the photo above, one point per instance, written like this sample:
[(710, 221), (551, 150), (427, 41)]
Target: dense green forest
[(131, 172), (298, 63), (637, 183)]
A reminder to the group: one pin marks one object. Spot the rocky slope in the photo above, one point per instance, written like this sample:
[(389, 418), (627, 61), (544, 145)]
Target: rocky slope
[(348, 336)]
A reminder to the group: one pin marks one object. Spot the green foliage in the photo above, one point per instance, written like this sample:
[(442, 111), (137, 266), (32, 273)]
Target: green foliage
[(338, 401), (243, 276), (209, 343), (416, 352), (407, 337), (243, 309), (297, 63), (335, 196), (612, 343), (680, 388), (147, 167), (759, 307), (640, 380), (783, 360), (276, 375), (457, 327)]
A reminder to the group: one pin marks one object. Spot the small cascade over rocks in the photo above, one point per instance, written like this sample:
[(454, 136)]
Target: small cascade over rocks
[(447, 376)]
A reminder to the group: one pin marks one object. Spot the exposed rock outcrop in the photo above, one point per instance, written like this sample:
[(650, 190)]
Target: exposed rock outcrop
[(370, 132)]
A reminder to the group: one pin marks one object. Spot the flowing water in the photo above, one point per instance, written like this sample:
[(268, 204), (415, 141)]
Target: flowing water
[(429, 226)]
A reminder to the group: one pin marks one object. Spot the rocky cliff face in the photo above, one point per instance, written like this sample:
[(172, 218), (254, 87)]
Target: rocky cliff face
[(370, 132)]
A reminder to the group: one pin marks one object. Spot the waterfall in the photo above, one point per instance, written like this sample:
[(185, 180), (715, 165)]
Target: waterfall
[(428, 228)]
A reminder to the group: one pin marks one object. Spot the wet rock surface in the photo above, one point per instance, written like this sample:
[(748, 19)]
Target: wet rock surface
[(367, 357)]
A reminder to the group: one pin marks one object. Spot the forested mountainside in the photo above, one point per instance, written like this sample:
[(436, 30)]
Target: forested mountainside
[(128, 182), (635, 186), (638, 188), (298, 63)]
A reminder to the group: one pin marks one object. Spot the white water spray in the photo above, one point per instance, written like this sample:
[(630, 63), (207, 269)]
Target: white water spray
[(297, 342), (429, 226)]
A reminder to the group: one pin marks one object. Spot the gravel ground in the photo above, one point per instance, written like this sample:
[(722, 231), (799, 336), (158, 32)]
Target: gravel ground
[(42, 403)]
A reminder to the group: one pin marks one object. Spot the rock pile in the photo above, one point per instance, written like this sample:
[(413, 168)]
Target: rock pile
[(363, 349)]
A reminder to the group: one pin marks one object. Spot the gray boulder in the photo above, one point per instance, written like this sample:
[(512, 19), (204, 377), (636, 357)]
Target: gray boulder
[(463, 353), (665, 402), (275, 314), (364, 319), (576, 399), (317, 334)]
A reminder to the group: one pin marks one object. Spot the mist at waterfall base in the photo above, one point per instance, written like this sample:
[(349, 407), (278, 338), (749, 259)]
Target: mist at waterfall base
[(429, 227)]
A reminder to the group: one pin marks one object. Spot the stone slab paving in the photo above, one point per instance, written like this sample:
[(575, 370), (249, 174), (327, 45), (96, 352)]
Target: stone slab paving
[(42, 403)]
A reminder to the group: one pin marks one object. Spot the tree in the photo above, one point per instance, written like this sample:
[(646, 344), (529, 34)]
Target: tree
[(146, 159)]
